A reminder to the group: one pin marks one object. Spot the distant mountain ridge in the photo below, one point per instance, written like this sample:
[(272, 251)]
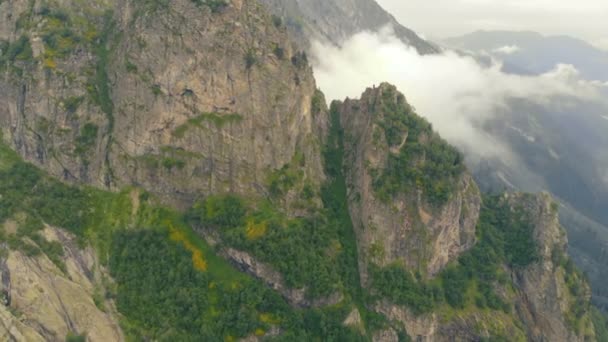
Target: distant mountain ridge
[(534, 53), (563, 148)]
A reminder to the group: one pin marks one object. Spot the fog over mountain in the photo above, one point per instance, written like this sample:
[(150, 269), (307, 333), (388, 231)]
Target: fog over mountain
[(520, 128), (454, 92), (585, 19), (532, 53)]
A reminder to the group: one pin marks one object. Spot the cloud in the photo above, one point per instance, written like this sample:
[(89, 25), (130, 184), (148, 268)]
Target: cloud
[(447, 18), (601, 43), (453, 92), (507, 49)]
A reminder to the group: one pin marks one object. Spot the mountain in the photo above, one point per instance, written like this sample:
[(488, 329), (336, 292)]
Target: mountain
[(562, 147), (169, 171), (561, 150), (336, 21), (533, 53)]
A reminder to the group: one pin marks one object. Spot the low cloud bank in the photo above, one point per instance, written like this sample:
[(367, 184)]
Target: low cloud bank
[(507, 50), (453, 92)]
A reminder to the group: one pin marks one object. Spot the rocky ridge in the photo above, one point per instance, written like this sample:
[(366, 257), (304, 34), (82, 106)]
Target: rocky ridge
[(204, 98), (406, 229), (336, 21)]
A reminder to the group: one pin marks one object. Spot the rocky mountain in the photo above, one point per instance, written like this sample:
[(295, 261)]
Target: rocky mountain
[(336, 21), (96, 107), (169, 171)]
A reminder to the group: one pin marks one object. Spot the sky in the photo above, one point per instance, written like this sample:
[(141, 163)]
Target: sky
[(436, 19)]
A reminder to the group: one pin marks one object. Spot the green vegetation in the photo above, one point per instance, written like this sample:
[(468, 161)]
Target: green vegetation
[(215, 5), (164, 295), (19, 50), (301, 249), (99, 85), (427, 162), (600, 322), (300, 60), (217, 119), (156, 90), (72, 103), (73, 337), (86, 140), (575, 281), (334, 196), (277, 21), (170, 285), (281, 181), (504, 238), (317, 102), (398, 285), (58, 34), (278, 51), (250, 59)]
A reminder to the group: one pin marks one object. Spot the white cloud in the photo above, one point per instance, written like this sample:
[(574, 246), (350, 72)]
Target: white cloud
[(453, 92), (601, 43), (445, 18), (507, 49)]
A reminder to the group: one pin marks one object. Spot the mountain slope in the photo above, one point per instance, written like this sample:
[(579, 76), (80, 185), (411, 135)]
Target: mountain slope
[(561, 145), (533, 53), (192, 163), (160, 103), (336, 21)]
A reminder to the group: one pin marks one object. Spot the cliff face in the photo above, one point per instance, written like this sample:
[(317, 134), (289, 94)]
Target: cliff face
[(404, 228), (186, 99), (336, 21), (550, 300), (199, 98), (43, 302)]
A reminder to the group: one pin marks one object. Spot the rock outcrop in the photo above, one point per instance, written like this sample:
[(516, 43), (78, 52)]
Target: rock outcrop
[(550, 301), (187, 100), (46, 303), (551, 298), (405, 229)]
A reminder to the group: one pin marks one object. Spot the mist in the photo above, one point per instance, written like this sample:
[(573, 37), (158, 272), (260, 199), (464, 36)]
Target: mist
[(452, 91)]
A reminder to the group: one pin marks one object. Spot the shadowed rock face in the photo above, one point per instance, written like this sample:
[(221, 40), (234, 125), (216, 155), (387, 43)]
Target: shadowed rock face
[(335, 21), (47, 303), (184, 101), (405, 229)]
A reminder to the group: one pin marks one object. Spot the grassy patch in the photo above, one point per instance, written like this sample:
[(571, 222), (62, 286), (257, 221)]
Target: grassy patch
[(217, 119)]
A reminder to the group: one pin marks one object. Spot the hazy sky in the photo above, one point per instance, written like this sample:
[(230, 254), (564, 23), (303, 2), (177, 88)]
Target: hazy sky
[(587, 19)]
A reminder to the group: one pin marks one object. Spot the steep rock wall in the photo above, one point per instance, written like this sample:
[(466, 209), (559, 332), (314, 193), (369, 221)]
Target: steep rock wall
[(182, 99), (405, 228), (44, 303)]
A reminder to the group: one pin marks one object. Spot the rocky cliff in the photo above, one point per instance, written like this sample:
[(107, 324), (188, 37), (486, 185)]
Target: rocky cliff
[(398, 222), (181, 99), (47, 300), (336, 21), (547, 300), (368, 224)]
